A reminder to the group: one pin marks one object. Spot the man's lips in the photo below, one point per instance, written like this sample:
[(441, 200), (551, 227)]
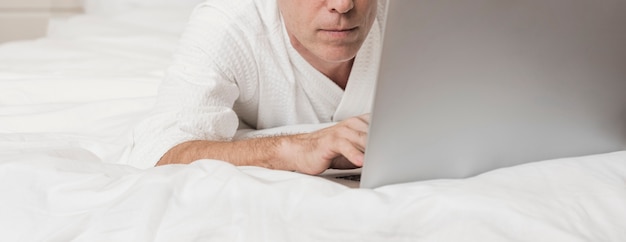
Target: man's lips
[(339, 34), (339, 29)]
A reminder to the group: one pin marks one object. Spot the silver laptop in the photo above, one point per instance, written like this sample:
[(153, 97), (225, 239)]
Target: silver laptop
[(470, 86)]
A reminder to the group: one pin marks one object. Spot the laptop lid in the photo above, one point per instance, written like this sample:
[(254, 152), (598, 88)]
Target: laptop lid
[(465, 87)]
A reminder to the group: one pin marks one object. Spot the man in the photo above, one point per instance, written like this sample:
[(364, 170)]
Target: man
[(275, 67)]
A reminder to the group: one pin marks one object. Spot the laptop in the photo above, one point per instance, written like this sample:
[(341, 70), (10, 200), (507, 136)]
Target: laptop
[(466, 87)]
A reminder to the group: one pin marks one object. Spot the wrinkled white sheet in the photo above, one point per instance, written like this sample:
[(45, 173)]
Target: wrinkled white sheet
[(63, 194), (68, 102)]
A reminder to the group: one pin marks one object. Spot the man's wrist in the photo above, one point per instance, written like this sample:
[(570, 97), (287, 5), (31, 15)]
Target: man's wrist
[(285, 153)]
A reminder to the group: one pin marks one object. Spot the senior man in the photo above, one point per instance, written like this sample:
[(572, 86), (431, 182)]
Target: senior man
[(268, 65)]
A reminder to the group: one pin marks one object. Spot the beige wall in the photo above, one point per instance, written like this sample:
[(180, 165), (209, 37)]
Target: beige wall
[(28, 19)]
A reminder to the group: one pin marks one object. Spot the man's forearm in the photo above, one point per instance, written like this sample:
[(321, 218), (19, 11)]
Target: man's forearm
[(264, 152), (339, 146)]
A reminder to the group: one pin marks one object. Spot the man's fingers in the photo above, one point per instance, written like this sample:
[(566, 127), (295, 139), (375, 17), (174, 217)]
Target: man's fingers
[(348, 136), (361, 140), (352, 153), (360, 123), (365, 117), (340, 146)]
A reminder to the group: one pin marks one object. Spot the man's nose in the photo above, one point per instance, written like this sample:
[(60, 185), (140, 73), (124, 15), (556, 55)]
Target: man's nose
[(340, 6)]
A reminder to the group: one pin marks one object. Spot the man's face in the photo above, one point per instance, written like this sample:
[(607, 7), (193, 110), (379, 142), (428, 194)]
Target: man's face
[(329, 30)]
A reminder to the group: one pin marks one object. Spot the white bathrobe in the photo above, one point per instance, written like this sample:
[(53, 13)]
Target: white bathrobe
[(236, 75)]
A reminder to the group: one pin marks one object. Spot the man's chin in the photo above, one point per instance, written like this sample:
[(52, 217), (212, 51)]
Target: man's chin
[(338, 55), (340, 52)]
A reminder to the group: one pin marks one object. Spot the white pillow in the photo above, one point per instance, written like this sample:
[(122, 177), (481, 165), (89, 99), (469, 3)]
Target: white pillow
[(108, 7)]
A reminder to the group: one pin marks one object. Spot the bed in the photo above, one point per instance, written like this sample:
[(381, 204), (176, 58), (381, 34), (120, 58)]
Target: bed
[(69, 101)]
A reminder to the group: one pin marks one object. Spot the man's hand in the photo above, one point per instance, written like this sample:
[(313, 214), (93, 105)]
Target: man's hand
[(341, 146)]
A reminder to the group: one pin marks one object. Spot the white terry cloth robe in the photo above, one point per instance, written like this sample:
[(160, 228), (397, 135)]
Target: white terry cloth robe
[(237, 74)]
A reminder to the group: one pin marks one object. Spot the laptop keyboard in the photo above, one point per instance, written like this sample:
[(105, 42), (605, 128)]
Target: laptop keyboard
[(355, 177)]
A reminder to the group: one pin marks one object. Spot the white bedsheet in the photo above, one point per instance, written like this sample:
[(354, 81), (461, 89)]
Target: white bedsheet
[(68, 102)]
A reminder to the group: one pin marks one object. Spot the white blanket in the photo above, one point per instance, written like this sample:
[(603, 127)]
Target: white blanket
[(68, 102)]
